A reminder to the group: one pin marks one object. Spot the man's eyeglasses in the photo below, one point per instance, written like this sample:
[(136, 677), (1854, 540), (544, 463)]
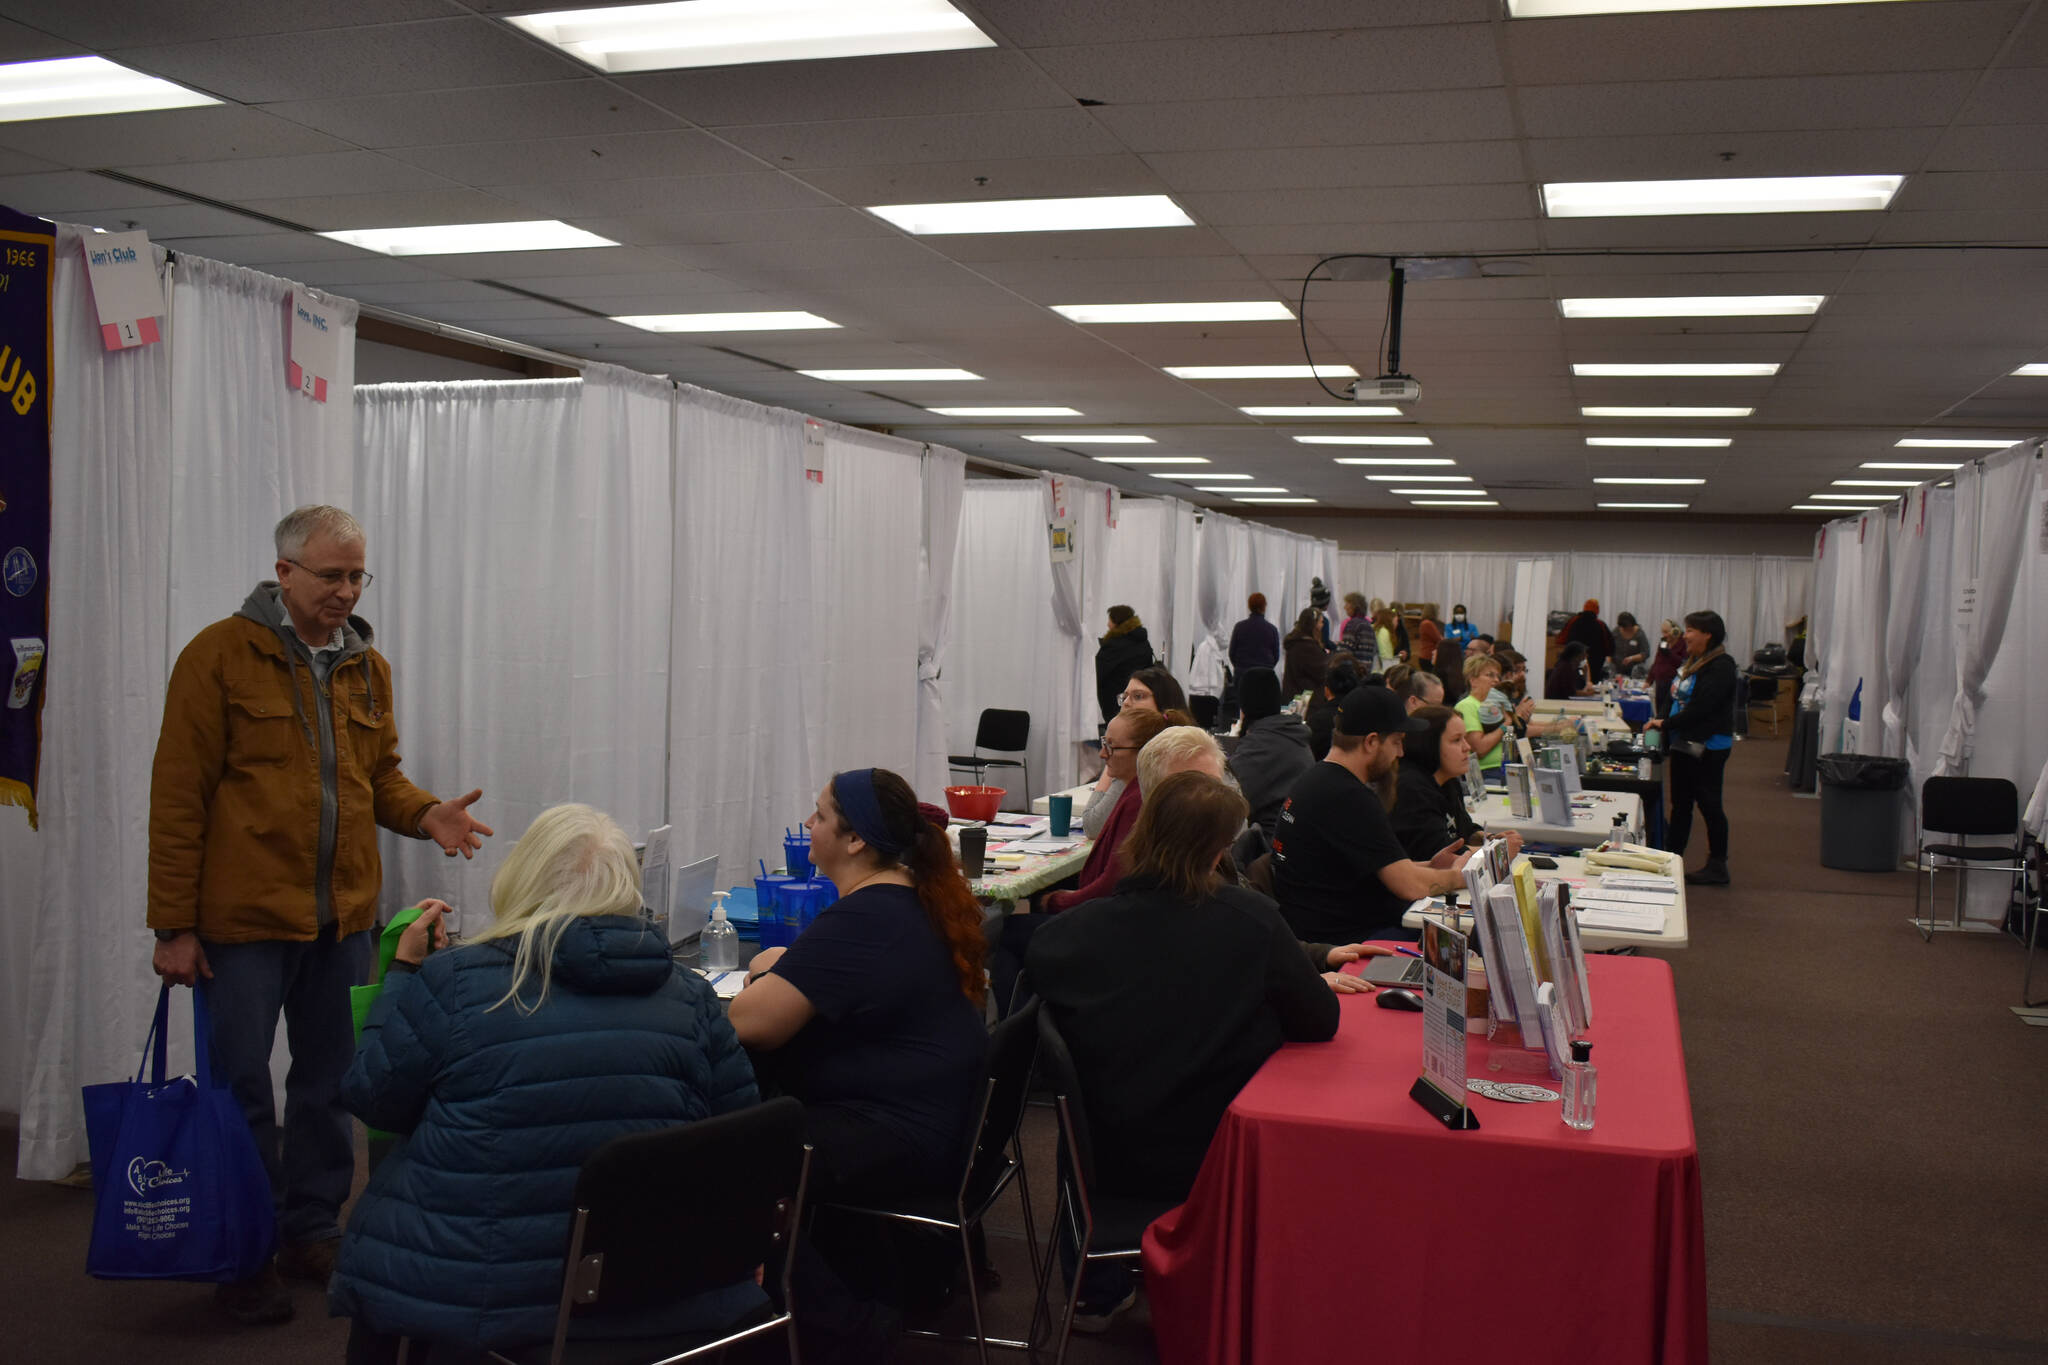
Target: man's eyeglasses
[(333, 578)]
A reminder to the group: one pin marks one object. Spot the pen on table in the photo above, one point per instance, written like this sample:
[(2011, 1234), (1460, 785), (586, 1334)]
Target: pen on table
[(1406, 952)]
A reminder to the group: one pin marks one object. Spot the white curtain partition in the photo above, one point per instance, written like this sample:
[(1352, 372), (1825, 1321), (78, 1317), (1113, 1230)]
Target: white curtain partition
[(945, 482), (1756, 595), (79, 985), (1004, 654), (859, 639), (245, 447)]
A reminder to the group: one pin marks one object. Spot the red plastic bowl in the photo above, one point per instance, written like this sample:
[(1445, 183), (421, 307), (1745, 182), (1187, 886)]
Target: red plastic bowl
[(974, 803)]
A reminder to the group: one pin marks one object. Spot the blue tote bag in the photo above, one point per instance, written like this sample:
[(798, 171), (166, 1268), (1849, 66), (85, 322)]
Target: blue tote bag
[(178, 1186)]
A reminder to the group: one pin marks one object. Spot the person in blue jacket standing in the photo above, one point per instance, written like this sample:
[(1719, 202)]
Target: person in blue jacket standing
[(503, 1064), (1460, 627)]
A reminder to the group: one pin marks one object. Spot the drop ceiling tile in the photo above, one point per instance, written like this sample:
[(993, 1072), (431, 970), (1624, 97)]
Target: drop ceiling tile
[(20, 43), (922, 84), (1704, 231), (654, 286), (588, 107), (1332, 168), (761, 192), (1790, 41), (1081, 246), (2030, 45), (273, 251), (1312, 121), (953, 137), (551, 161), (1404, 205), (788, 225), (774, 258), (21, 163), (410, 208), (1708, 155), (2019, 225), (72, 192), (1344, 61), (519, 266), (107, 24), (434, 55), (210, 133), (1044, 23), (2015, 95), (1405, 239), (1017, 178), (273, 177), (1912, 99), (1960, 191), (414, 295), (166, 222), (1993, 147)]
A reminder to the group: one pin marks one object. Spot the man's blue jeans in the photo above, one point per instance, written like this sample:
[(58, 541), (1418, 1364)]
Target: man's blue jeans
[(311, 1158)]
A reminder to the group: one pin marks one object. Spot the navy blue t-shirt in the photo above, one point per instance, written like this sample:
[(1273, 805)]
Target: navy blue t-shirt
[(894, 1039)]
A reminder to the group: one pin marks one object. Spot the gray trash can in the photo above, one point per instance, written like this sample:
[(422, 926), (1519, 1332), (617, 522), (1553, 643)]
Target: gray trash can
[(1859, 811)]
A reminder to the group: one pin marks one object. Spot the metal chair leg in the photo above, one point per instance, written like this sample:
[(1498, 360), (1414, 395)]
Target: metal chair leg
[(1921, 865), (973, 1291), (1024, 1199)]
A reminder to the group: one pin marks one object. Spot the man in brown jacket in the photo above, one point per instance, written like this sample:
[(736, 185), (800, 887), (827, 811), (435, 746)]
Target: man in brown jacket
[(277, 761)]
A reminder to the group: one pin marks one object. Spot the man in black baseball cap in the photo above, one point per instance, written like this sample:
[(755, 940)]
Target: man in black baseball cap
[(1338, 871)]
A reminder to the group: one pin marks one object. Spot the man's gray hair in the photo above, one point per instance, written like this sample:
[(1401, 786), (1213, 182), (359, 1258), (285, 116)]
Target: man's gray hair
[(301, 524), (1421, 684), (1176, 749)]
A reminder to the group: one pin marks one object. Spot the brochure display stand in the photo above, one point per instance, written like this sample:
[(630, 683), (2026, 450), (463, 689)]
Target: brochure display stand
[(1440, 1088)]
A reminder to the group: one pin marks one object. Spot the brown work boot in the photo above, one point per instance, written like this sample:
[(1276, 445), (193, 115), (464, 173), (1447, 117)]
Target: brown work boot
[(256, 1301), (312, 1261)]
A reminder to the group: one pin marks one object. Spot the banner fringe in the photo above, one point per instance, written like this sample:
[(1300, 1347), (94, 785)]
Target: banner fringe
[(14, 793)]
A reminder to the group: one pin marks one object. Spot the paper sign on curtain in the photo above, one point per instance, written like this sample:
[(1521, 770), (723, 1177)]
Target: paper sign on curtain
[(315, 343), (126, 291), (814, 450), (1062, 523)]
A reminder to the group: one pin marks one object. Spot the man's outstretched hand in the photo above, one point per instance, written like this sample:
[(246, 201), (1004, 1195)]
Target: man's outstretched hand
[(450, 825)]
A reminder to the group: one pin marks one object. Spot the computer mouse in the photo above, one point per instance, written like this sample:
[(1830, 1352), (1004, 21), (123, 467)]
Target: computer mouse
[(1393, 998)]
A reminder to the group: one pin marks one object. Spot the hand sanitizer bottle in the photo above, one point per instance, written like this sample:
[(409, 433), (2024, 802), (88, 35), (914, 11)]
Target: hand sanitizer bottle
[(1580, 1081), (721, 944)]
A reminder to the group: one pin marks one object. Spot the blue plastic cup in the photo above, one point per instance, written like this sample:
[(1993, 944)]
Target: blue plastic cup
[(799, 903), (796, 855), (1061, 809), (767, 893)]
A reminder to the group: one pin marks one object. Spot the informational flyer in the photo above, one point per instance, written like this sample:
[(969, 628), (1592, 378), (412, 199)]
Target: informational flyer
[(126, 290), (315, 344), (1443, 1010)]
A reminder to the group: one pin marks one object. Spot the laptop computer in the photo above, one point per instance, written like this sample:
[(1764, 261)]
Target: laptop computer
[(689, 906), (1395, 970)]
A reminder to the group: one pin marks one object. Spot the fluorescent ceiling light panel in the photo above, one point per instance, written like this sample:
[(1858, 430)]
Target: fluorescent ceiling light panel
[(726, 322), (1454, 504), (1093, 214), (1549, 9), (1907, 464), (1667, 412), (1392, 460), (1738, 370), (732, 32), (2038, 370), (1866, 499), (1415, 478), (1878, 483), (1152, 459), (1647, 506), (1272, 499), (889, 376), (1101, 314), (1820, 507), (75, 87), (1195, 478), (1364, 440), (1261, 372), (1441, 492), (1929, 443), (1703, 442), (1322, 410), (1239, 488), (1005, 412), (1772, 194), (1651, 481), (462, 239), (1092, 439), (1700, 306)]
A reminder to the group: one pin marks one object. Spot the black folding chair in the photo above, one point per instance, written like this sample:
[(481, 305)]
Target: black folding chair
[(1006, 732), (648, 1231), (1762, 696), (995, 1159), (1104, 1227), (1967, 807)]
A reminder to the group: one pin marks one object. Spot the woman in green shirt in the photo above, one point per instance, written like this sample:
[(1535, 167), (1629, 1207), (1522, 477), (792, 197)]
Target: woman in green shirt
[(1485, 712)]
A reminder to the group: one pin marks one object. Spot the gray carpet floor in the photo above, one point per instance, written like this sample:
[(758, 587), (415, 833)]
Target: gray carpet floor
[(1872, 1119)]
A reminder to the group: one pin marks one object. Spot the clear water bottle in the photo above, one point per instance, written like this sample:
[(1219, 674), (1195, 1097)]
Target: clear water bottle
[(1580, 1082), (720, 942)]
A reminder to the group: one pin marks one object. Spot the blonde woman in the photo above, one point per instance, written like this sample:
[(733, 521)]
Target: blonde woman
[(505, 1062)]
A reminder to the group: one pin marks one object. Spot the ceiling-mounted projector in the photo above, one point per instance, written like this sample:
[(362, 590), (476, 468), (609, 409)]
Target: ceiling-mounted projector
[(1388, 388)]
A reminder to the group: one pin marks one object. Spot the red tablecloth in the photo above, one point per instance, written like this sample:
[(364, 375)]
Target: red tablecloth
[(1335, 1219)]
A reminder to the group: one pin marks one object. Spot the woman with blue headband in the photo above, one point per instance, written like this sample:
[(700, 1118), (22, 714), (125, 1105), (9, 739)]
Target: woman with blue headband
[(873, 1019)]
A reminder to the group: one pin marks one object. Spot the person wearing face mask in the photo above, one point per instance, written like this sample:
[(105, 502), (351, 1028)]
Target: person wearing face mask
[(1459, 628)]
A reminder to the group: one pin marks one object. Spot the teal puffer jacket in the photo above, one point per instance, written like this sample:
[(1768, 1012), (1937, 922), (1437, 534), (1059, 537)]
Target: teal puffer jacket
[(461, 1234)]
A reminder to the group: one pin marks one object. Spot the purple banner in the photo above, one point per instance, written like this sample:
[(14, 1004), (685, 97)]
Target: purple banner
[(26, 246)]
